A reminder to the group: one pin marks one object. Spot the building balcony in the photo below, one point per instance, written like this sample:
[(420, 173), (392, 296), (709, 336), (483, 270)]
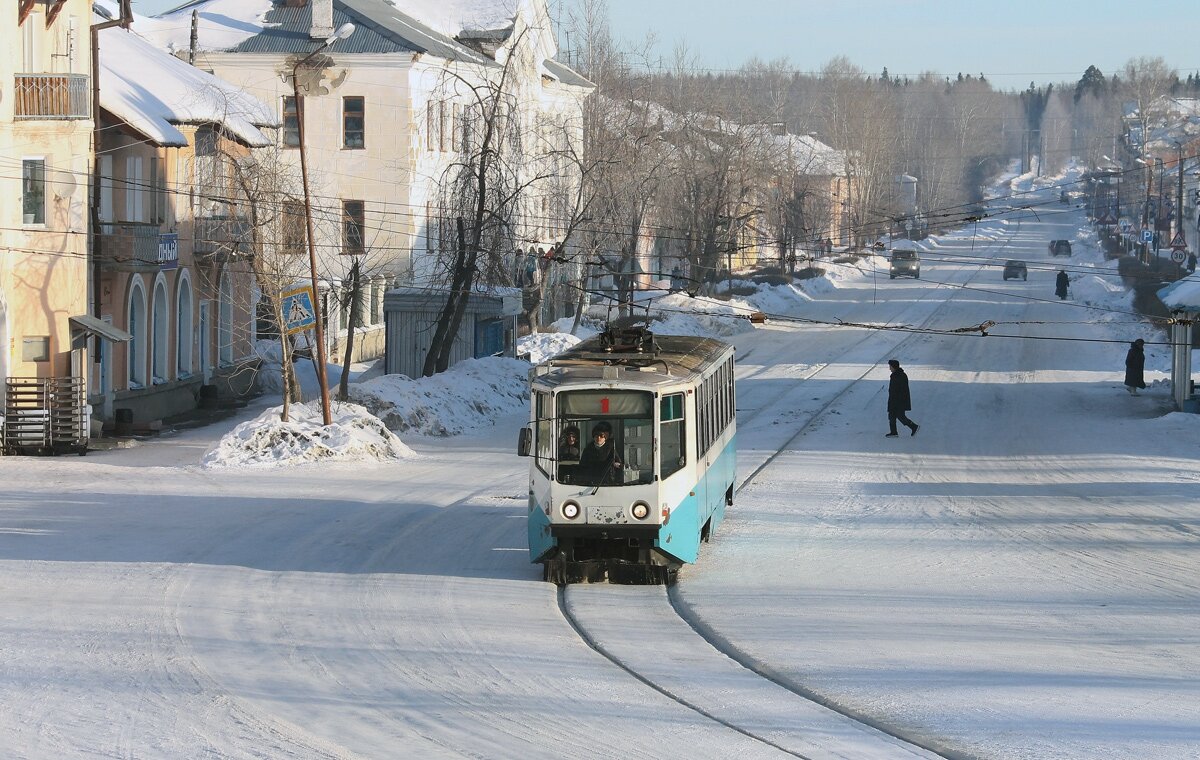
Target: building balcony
[(51, 96), (136, 247), (221, 238)]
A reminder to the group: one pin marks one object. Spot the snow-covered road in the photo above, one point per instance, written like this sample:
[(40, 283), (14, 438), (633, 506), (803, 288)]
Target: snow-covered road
[(1017, 581)]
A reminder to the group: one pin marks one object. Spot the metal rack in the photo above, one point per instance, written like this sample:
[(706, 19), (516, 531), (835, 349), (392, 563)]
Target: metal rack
[(45, 416)]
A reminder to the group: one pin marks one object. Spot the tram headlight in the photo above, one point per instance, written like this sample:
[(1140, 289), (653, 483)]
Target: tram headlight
[(570, 510), (641, 510)]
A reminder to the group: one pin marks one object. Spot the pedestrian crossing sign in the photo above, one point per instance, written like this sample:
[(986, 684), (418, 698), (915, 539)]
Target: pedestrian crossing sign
[(298, 312)]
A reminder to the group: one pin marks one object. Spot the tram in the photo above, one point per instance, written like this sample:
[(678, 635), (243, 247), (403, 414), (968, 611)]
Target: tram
[(632, 447)]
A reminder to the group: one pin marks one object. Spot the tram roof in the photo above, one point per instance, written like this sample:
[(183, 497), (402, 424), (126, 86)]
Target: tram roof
[(675, 357)]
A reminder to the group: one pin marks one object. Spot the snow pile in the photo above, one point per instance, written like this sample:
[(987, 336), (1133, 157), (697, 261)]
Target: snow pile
[(270, 372), (267, 441), (680, 314), (469, 395), (1103, 291), (845, 274), (546, 345)]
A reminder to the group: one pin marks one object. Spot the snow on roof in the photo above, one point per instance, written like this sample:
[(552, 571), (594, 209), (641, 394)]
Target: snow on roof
[(1182, 294), (457, 18), (152, 91), (223, 24), (809, 155)]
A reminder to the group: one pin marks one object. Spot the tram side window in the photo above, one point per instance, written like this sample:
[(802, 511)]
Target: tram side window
[(544, 445), (673, 448), (732, 389), (721, 420)]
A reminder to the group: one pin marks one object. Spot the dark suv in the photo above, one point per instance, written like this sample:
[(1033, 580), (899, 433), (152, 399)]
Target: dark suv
[(1014, 269), (1060, 247), (905, 263)]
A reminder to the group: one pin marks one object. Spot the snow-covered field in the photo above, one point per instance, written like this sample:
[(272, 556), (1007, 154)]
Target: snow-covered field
[(1017, 581)]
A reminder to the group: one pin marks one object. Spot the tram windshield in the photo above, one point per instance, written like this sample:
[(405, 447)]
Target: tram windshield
[(605, 438)]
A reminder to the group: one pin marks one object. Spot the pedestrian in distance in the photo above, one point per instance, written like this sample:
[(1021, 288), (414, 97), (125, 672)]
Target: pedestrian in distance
[(1191, 263), (676, 279), (1061, 283), (899, 400), (1135, 365)]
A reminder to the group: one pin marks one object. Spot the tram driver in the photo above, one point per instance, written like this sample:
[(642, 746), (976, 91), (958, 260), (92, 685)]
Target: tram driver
[(601, 454)]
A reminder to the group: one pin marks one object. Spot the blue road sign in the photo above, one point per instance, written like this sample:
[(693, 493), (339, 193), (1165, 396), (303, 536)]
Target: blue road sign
[(298, 312), (1147, 236)]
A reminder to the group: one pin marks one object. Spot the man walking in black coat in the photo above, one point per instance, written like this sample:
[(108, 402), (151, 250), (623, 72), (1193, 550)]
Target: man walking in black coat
[(1061, 283), (1135, 365), (899, 401)]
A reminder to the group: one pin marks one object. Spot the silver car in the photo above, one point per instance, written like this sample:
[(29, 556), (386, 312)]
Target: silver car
[(905, 263)]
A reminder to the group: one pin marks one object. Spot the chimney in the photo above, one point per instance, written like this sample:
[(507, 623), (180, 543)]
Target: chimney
[(322, 19)]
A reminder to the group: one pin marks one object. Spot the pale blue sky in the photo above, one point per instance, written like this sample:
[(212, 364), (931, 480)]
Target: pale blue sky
[(1013, 42)]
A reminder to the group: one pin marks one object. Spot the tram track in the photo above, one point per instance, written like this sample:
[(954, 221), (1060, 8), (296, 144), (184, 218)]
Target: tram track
[(900, 742), (671, 694)]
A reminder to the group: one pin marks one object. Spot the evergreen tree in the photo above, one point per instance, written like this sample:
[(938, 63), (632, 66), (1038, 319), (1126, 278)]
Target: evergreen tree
[(1092, 82)]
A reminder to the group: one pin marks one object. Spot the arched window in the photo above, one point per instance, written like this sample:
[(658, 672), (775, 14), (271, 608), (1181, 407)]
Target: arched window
[(136, 320), (183, 325), (225, 322), (160, 346)]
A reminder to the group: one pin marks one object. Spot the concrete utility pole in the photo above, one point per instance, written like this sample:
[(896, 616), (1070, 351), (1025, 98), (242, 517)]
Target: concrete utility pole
[(1146, 208), (1158, 209), (1179, 194)]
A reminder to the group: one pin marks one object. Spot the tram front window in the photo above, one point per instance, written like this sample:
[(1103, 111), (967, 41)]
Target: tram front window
[(613, 438)]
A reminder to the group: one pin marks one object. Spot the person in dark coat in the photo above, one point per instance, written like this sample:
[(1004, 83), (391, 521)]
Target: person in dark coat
[(601, 454), (899, 400), (1135, 365), (1061, 283), (568, 445)]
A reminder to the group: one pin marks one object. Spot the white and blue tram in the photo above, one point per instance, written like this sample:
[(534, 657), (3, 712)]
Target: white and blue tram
[(637, 508)]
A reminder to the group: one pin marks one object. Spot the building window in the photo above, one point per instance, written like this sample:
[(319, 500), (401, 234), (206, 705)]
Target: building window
[(353, 223), (225, 321), (160, 342), (442, 124), (134, 190), (291, 123), (183, 326), (158, 189), (137, 330), (33, 191), (35, 349), (354, 122), (293, 228)]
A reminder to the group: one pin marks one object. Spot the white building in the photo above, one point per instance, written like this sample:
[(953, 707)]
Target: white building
[(384, 118)]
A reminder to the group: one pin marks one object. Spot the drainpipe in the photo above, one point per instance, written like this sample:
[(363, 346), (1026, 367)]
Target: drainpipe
[(94, 271)]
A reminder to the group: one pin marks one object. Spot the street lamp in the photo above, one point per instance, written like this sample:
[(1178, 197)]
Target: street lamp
[(344, 31)]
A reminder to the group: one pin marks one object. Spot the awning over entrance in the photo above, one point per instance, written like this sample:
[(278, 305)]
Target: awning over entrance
[(93, 326)]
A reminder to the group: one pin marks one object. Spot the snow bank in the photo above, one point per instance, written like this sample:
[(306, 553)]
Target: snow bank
[(469, 395), (547, 345), (267, 441)]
